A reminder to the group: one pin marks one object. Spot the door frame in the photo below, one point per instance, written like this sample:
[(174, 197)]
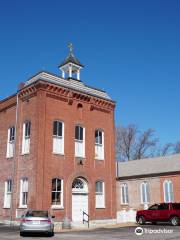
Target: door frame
[(79, 187)]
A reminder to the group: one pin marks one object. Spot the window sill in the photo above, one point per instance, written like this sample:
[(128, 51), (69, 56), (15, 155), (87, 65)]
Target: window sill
[(83, 157), (6, 207), (22, 207), (56, 207), (9, 158), (99, 159), (100, 207), (125, 204), (58, 154), (24, 154)]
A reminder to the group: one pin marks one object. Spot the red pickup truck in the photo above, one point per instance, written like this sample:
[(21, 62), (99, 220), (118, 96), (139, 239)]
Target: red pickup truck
[(162, 212)]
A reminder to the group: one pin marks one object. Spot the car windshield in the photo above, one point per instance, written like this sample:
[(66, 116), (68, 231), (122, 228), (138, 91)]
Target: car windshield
[(37, 214), (153, 207)]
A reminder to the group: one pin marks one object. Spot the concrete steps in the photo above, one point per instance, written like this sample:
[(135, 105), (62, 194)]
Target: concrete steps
[(79, 225)]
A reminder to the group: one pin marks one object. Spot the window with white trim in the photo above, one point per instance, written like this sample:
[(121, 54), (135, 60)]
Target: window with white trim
[(79, 141), (99, 144), (168, 191), (57, 192), (7, 193), (58, 137), (124, 194), (145, 194), (100, 195), (23, 192), (26, 137), (10, 142)]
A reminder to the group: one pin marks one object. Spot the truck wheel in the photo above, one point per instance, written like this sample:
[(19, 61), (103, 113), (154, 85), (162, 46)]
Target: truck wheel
[(141, 220), (174, 221)]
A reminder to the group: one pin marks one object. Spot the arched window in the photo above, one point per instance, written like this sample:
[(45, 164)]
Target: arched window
[(100, 194), (145, 194), (124, 194), (24, 192), (57, 192), (79, 185), (79, 141), (58, 137), (26, 137), (168, 191), (10, 142), (99, 144), (79, 106), (80, 111), (7, 193)]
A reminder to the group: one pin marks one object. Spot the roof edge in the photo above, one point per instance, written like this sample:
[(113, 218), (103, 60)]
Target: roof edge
[(148, 175), (55, 75), (9, 97)]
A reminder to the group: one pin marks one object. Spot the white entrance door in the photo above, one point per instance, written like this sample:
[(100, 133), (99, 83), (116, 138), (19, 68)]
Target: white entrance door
[(79, 204), (79, 199)]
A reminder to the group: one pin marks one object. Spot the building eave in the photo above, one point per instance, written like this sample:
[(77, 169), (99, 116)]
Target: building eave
[(151, 175), (7, 98), (39, 77)]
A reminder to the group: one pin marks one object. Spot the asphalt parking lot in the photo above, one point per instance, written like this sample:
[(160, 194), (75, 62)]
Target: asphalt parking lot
[(159, 232)]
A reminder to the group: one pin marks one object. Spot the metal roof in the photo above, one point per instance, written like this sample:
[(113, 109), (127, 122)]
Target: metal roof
[(149, 166), (69, 83), (71, 59)]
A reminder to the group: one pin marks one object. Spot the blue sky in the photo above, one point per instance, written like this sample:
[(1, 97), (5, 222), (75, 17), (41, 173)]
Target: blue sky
[(129, 48)]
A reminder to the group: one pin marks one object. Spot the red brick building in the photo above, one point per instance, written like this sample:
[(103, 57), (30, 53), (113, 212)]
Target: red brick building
[(57, 149)]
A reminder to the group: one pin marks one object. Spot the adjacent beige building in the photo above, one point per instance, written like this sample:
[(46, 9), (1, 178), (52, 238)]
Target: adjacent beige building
[(141, 183)]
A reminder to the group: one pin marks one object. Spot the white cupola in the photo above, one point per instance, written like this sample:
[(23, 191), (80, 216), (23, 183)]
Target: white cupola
[(71, 66)]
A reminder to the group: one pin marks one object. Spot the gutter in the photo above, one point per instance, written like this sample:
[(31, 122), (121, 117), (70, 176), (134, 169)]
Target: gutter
[(14, 162)]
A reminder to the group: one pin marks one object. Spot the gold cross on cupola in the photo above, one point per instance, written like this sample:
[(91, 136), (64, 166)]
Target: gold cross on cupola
[(71, 66)]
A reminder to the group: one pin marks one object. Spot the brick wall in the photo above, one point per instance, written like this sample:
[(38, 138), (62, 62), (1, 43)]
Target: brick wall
[(41, 165)]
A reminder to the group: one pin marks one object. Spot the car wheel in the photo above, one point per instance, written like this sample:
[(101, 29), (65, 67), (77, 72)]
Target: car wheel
[(51, 234), (21, 234), (174, 221), (141, 220), (154, 223)]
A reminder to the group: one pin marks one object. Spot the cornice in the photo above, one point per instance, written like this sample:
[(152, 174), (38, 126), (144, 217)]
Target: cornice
[(66, 95), (8, 103)]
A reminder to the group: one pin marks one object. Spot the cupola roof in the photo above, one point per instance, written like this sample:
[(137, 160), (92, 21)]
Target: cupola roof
[(71, 58)]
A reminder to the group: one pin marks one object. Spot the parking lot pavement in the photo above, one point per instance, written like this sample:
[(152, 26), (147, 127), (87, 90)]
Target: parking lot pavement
[(158, 232)]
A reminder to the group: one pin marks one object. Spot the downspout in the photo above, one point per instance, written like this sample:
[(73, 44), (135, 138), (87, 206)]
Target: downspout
[(14, 162)]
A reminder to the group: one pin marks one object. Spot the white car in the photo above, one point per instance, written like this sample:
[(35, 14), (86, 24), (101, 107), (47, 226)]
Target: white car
[(37, 221)]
